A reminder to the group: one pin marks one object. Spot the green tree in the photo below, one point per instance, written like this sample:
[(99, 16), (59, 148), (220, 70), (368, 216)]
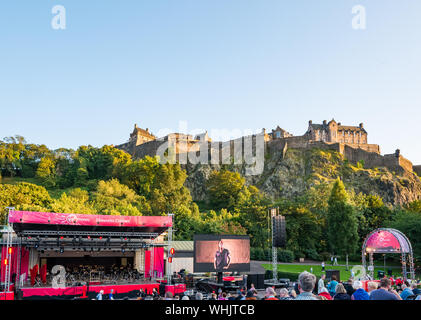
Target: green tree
[(46, 172), (342, 225), (224, 188)]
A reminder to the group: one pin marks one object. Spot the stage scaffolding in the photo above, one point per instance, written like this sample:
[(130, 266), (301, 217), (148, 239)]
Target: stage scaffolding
[(75, 240)]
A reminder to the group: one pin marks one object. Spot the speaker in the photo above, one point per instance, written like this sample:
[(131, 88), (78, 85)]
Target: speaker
[(257, 279), (279, 231), (330, 273)]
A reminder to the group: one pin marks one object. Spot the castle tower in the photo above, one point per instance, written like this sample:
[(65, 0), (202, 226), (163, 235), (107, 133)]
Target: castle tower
[(140, 136)]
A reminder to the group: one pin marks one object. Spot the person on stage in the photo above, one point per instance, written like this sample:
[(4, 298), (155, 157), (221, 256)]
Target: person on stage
[(222, 258), (99, 295)]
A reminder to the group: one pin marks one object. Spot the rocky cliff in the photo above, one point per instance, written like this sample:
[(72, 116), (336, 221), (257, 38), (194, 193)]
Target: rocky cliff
[(289, 174)]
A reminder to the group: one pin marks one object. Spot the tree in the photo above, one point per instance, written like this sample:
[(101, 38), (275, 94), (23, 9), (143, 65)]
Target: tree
[(224, 188), (342, 226), (46, 172)]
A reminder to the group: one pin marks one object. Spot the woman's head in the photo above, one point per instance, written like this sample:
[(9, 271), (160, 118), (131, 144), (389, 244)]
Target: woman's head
[(334, 278), (340, 288)]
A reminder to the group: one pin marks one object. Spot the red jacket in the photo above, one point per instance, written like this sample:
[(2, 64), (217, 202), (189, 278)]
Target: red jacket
[(326, 295)]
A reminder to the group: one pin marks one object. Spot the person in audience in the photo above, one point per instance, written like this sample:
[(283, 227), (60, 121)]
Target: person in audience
[(252, 288), (406, 291), (270, 294), (385, 292), (341, 293), (371, 286), (321, 283), (185, 298), (199, 296), (251, 295), (240, 295), (284, 295), (415, 288), (306, 284), (169, 295), (359, 293), (111, 295), (223, 296), (325, 293), (349, 286), (331, 287)]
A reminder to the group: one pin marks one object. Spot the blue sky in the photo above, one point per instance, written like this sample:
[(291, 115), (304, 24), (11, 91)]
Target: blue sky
[(220, 64)]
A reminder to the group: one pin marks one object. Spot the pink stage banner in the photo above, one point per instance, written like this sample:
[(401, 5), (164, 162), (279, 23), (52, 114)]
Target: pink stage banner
[(13, 263), (88, 220)]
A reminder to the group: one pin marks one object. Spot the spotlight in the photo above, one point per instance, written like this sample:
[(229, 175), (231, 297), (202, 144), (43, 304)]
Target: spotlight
[(123, 250), (61, 250)]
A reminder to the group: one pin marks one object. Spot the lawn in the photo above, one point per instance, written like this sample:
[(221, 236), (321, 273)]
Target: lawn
[(296, 269)]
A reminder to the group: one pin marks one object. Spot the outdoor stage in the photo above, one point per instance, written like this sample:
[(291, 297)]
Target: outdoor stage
[(108, 252)]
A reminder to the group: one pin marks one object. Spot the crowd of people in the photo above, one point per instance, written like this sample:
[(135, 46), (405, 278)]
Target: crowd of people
[(308, 288)]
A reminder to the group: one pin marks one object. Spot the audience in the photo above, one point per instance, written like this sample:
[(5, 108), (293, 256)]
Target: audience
[(284, 295), (406, 291), (371, 286), (306, 284), (385, 292), (325, 293), (321, 283), (341, 293), (331, 287), (359, 293), (270, 294)]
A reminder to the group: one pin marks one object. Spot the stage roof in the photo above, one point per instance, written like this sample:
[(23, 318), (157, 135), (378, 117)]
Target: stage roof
[(24, 221)]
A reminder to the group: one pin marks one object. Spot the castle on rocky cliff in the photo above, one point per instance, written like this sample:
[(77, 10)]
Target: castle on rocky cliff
[(351, 141)]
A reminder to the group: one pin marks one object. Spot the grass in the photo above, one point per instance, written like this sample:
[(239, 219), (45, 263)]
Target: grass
[(296, 269)]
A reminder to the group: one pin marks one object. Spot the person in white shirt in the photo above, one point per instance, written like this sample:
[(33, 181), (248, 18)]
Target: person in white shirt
[(321, 283)]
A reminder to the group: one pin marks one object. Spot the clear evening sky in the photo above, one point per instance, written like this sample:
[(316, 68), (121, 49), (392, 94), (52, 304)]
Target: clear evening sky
[(217, 64)]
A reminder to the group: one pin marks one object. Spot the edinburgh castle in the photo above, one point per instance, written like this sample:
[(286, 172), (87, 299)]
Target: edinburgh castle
[(350, 141)]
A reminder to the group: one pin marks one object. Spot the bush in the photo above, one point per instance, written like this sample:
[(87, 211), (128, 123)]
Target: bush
[(325, 256), (285, 255), (312, 254)]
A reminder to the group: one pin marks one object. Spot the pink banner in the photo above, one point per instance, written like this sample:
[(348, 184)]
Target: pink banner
[(88, 220), (13, 263), (383, 241)]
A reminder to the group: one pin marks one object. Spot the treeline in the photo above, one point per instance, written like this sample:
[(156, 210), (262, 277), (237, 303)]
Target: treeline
[(326, 219)]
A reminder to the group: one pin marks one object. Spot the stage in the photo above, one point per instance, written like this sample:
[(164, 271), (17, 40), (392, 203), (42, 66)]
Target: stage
[(120, 291)]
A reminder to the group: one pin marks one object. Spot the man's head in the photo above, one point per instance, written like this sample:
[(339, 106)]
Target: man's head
[(357, 285), (385, 283), (372, 286), (199, 296), (323, 276), (220, 244), (169, 295), (306, 281)]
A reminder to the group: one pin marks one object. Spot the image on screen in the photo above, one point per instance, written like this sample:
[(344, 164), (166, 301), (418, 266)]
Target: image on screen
[(214, 253)]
